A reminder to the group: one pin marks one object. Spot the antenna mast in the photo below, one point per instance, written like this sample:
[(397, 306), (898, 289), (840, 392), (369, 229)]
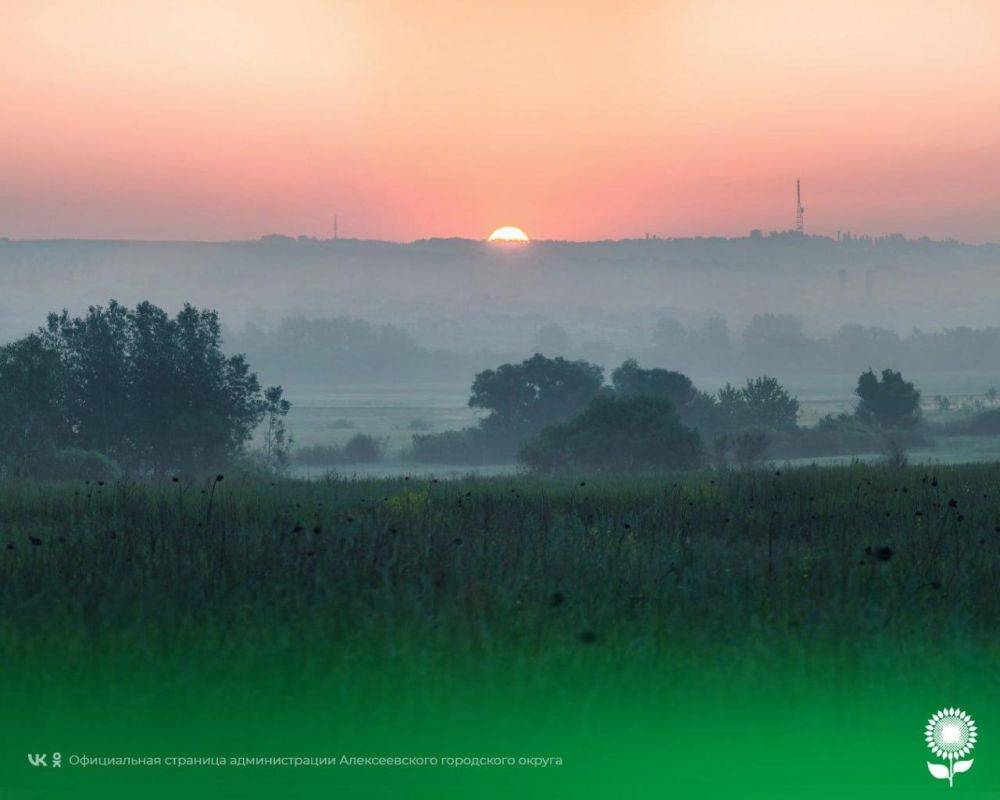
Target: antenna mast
[(335, 232), (800, 212)]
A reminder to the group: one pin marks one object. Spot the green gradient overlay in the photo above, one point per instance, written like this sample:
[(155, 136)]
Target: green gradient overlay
[(704, 636)]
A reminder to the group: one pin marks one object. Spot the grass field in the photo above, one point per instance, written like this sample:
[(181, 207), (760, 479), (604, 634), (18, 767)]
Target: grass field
[(699, 635)]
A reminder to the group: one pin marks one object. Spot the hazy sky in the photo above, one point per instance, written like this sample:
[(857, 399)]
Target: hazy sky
[(211, 119)]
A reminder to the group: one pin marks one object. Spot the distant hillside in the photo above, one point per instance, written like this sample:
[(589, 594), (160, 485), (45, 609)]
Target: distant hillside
[(913, 282)]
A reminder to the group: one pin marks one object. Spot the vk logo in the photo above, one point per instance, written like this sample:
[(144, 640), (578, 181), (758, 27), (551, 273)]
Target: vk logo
[(38, 759)]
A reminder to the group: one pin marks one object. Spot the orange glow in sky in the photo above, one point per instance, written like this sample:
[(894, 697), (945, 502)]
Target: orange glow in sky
[(170, 119)]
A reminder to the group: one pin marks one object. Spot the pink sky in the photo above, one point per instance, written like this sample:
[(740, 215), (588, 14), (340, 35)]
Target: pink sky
[(176, 119)]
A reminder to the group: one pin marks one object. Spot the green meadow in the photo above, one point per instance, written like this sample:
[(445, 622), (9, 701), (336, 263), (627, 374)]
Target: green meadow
[(753, 634)]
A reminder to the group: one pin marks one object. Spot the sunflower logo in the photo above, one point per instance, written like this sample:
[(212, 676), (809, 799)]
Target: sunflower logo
[(950, 734)]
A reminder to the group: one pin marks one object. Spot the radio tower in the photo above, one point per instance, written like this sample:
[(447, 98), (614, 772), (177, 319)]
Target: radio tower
[(336, 233), (800, 212)]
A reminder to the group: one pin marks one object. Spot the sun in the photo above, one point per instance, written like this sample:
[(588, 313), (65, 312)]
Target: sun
[(508, 233)]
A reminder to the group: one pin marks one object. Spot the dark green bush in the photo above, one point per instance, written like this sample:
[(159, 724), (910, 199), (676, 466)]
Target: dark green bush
[(616, 433), (984, 423), (360, 449), (472, 446), (843, 434), (318, 455)]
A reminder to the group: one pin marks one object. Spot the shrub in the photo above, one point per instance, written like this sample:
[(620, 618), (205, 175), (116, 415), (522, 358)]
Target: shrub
[(419, 425), (984, 423), (842, 434), (522, 399), (473, 446), (362, 448), (616, 433), (359, 449), (447, 447), (895, 452), (318, 455)]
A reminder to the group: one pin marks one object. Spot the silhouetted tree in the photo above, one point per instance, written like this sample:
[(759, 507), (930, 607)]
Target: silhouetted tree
[(149, 391), (762, 403), (525, 397), (632, 380), (277, 442), (890, 402), (32, 402), (769, 404), (522, 399), (97, 395)]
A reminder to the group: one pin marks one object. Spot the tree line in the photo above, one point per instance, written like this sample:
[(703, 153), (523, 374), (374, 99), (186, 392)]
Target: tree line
[(326, 350), (330, 349), (779, 343), (552, 413)]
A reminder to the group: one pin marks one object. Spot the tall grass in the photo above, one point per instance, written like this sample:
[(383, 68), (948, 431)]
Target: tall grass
[(840, 557), (571, 615)]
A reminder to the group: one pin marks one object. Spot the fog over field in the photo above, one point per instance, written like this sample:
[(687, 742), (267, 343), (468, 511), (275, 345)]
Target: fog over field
[(457, 306), (464, 294)]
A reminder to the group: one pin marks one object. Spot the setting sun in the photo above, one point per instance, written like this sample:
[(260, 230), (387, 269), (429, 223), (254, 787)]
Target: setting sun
[(508, 233)]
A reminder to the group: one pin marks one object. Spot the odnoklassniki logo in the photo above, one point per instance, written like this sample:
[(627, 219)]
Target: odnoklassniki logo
[(950, 734)]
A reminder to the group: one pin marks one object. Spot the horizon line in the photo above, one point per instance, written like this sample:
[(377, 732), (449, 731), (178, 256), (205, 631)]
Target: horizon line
[(644, 239)]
